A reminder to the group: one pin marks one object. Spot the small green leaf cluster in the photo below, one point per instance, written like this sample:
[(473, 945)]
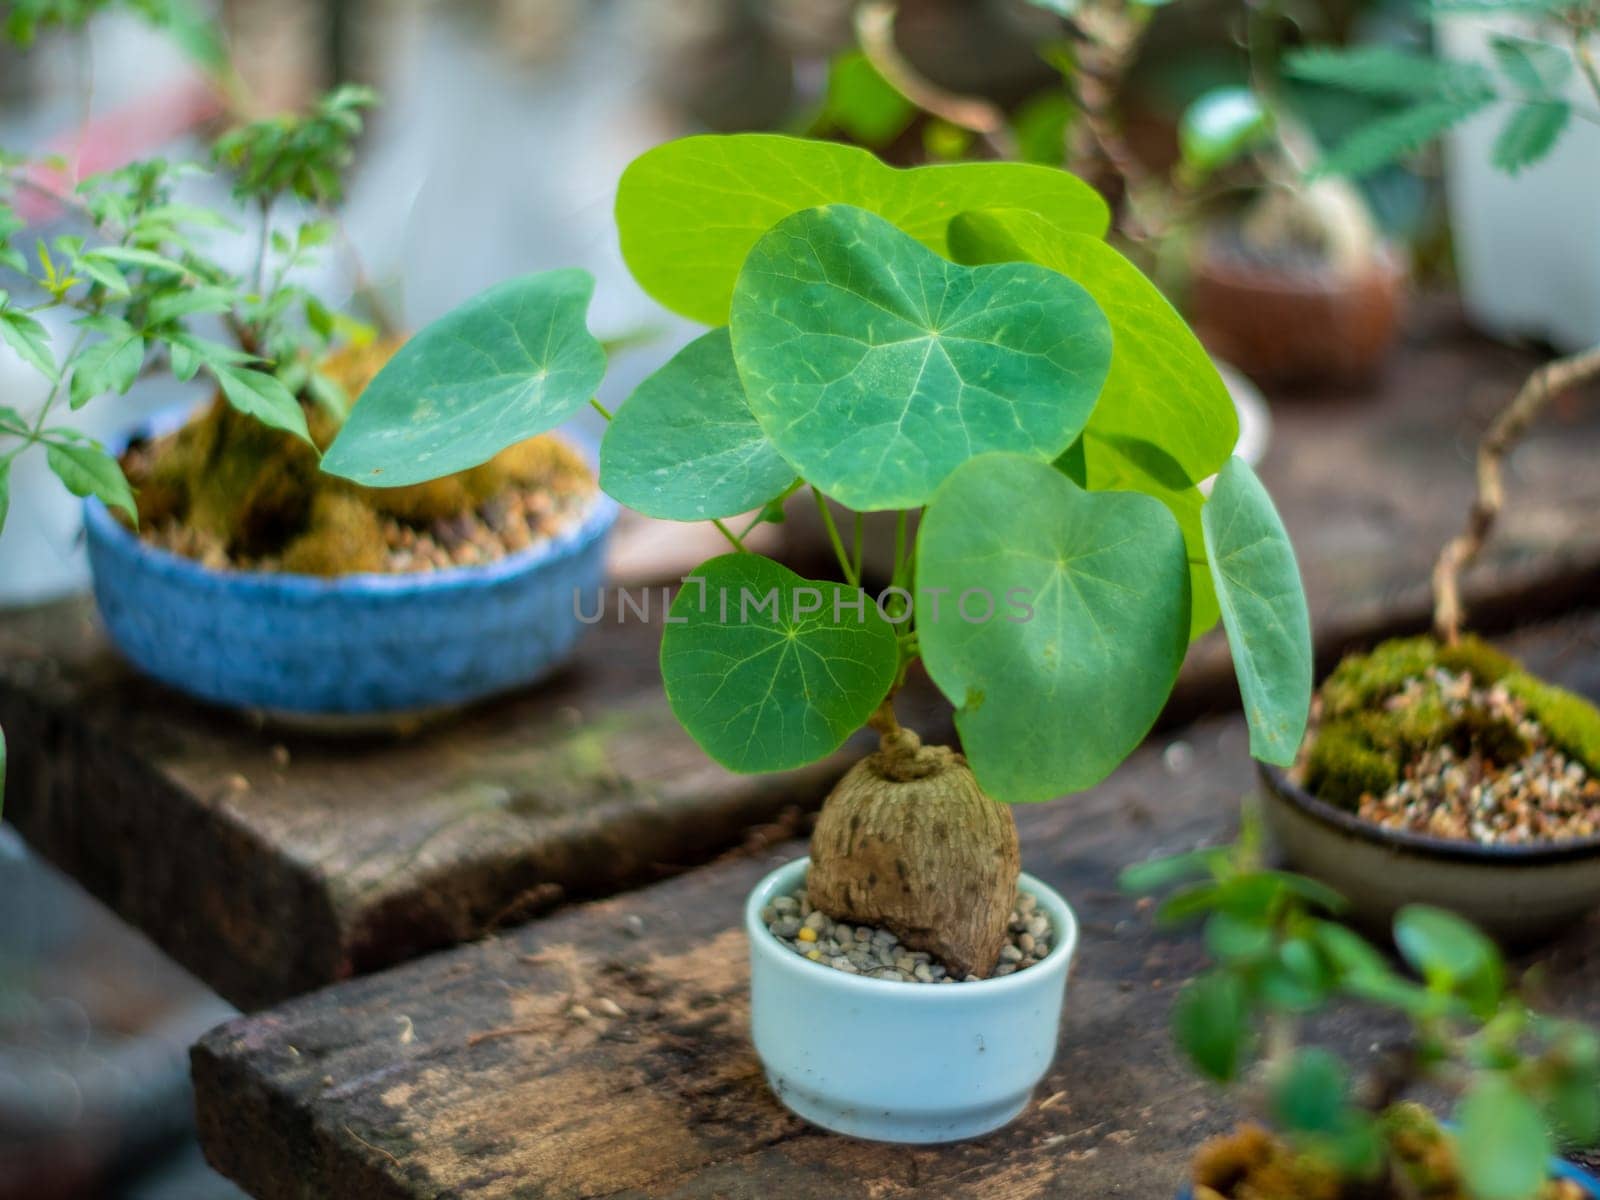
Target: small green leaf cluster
[(146, 294), (1526, 1083), (1528, 75)]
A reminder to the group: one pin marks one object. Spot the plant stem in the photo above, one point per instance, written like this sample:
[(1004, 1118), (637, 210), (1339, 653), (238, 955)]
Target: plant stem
[(1585, 57), (261, 247), (859, 548), (833, 536), (733, 538), (1508, 428), (600, 408)]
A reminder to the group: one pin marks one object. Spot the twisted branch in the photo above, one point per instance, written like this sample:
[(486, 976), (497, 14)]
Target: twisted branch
[(1541, 387)]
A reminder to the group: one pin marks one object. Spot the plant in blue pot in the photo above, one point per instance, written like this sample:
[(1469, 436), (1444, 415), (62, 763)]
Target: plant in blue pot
[(296, 545), (1525, 1084)]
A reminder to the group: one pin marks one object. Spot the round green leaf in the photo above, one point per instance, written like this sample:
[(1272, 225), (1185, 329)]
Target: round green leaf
[(1451, 953), (686, 447), (1208, 1020), (769, 671), (1220, 126), (510, 363), (1263, 609), (877, 367), (1165, 420), (1049, 700), (689, 211), (1310, 1094), (1502, 1143)]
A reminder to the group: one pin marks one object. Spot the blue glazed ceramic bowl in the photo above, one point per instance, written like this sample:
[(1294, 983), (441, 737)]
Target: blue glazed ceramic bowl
[(1558, 1170), (303, 646)]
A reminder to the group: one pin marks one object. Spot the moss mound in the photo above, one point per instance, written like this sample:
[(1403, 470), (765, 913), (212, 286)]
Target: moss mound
[(1378, 711), (1252, 1164), (253, 494)]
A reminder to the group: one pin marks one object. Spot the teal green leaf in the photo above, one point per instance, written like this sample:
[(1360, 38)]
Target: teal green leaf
[(1208, 1020), (1381, 142), (1263, 609), (28, 338), (1091, 599), (1160, 872), (768, 671), (1501, 1140), (686, 447), (876, 367), (1529, 134), (1221, 125), (1310, 1094), (1452, 954), (1389, 72), (511, 363), (1165, 420), (689, 212), (87, 470), (1539, 70), (262, 396)]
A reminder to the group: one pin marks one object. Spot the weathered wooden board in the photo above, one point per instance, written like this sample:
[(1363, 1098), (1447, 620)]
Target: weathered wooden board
[(603, 1052), (271, 864)]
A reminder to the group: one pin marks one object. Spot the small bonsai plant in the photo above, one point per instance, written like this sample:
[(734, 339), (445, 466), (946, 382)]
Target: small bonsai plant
[(955, 342), (1445, 736), (1525, 1083)]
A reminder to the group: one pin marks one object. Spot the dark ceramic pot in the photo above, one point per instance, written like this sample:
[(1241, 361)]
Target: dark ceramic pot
[(1517, 894)]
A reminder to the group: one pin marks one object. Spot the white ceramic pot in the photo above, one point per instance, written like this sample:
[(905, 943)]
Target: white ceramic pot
[(1527, 245), (903, 1062)]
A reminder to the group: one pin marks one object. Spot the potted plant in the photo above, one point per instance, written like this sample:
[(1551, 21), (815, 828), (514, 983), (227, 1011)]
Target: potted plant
[(1437, 768), (1526, 1084), (244, 565), (954, 342), (1507, 88)]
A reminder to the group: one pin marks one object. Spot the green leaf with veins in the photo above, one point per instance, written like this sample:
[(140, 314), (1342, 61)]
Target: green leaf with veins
[(262, 396), (1263, 608), (877, 367), (511, 363), (1050, 701), (686, 447), (688, 212), (87, 470), (28, 338), (111, 364), (1164, 420), (769, 671)]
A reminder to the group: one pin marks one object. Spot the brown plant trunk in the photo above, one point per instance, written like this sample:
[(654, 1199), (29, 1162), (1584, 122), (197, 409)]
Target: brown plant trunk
[(908, 842)]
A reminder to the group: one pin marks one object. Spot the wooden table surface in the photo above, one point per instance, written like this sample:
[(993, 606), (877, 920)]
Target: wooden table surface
[(270, 864), (604, 1051)]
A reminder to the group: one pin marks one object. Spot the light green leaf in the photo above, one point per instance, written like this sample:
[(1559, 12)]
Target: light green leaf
[(28, 338), (1091, 614), (511, 363), (1221, 125), (111, 364), (686, 447), (263, 397), (688, 212), (1529, 134), (1263, 609), (1389, 72), (1164, 420), (1452, 954), (1539, 70), (87, 470), (1502, 1144), (1380, 142), (864, 104), (1208, 1020), (876, 367), (769, 671), (130, 256)]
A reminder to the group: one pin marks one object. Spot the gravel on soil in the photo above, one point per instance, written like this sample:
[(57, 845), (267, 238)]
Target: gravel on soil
[(877, 953)]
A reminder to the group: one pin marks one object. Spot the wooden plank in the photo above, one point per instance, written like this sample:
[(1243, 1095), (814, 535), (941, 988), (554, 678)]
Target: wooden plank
[(271, 864), (494, 1071)]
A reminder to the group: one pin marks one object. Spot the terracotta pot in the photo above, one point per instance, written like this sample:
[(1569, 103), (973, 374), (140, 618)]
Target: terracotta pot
[(1294, 324)]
